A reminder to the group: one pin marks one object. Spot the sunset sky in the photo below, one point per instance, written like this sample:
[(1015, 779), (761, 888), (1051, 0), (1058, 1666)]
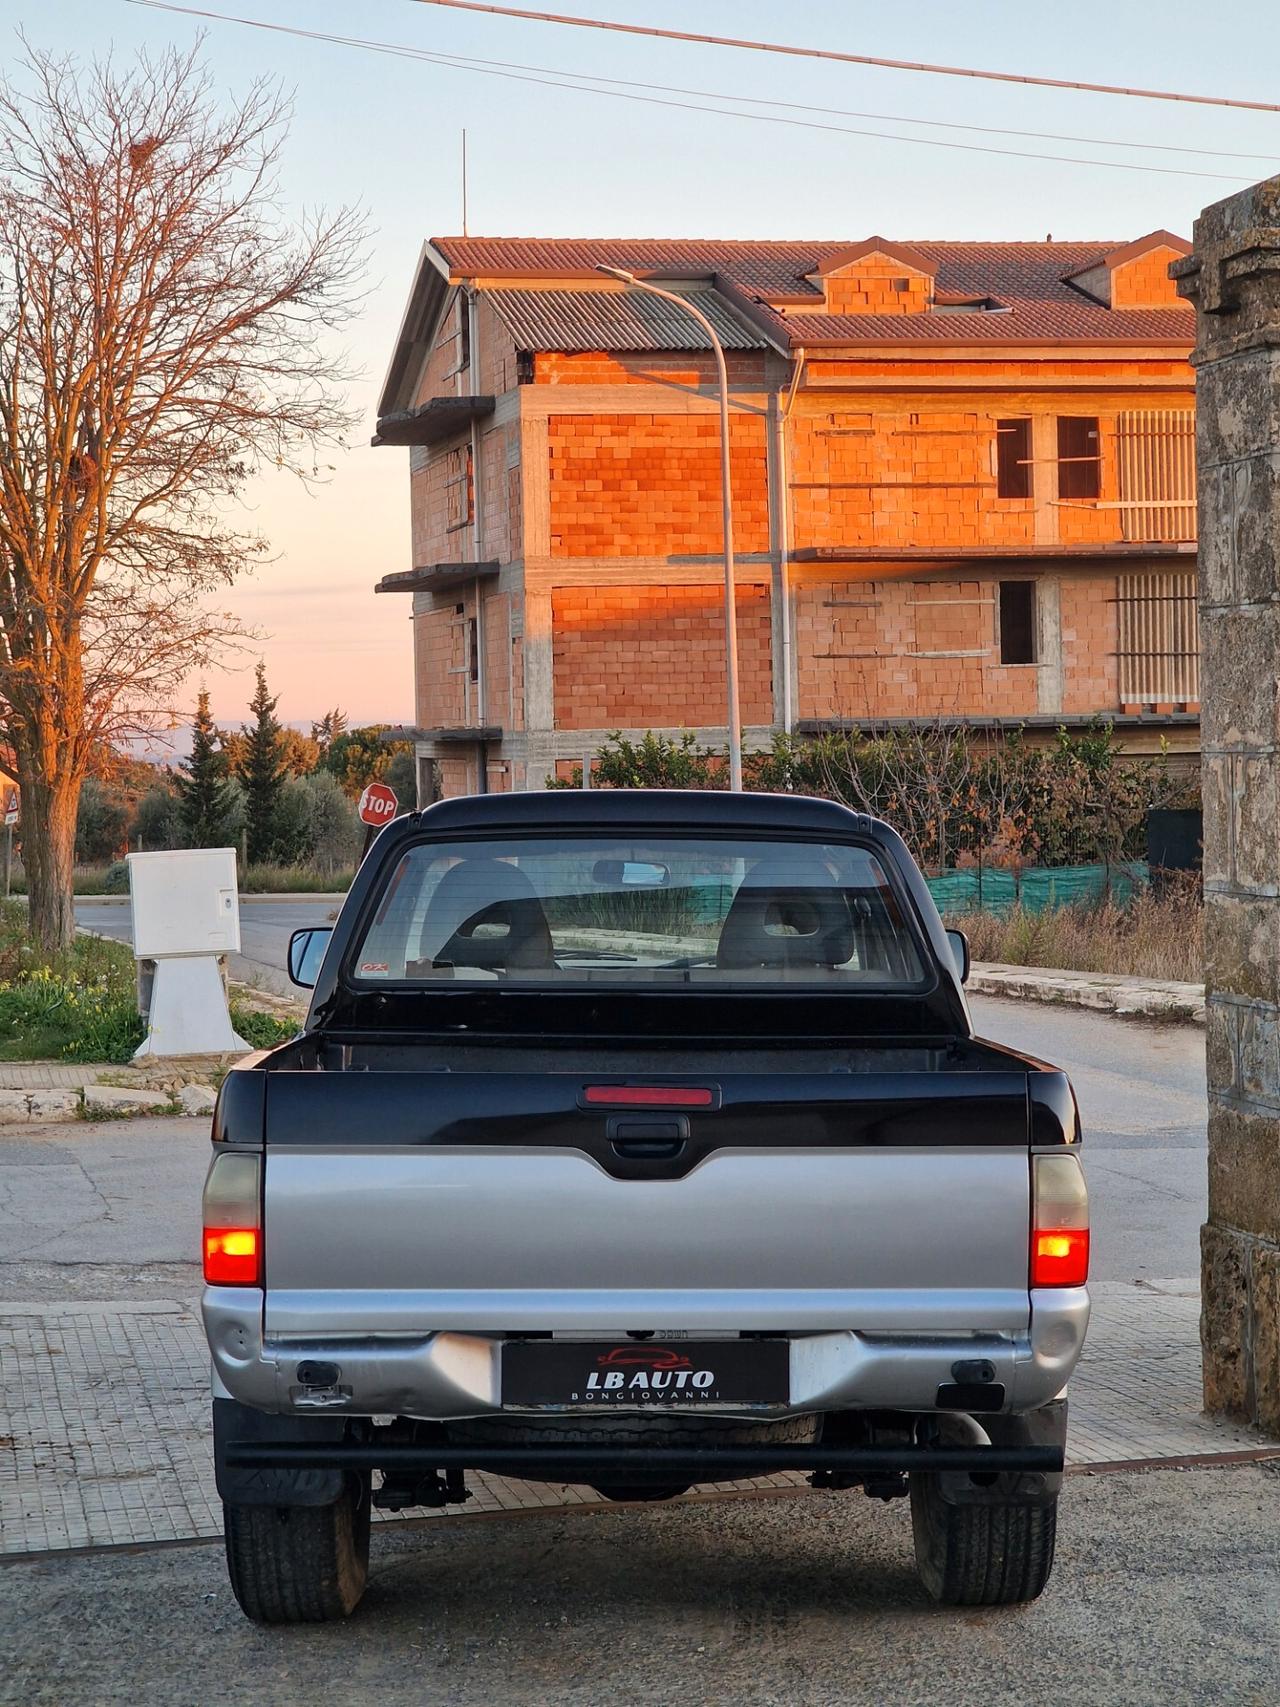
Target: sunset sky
[(384, 131)]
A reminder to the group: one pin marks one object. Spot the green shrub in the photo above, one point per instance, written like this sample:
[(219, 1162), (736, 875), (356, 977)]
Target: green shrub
[(262, 1030), (115, 880), (45, 1014), (655, 761), (956, 798), (80, 1005)]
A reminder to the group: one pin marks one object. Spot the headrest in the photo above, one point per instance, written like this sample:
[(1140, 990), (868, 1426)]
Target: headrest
[(486, 913), (787, 912)]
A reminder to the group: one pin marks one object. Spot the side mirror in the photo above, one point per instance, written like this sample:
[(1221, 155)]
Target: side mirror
[(306, 954), (960, 953)]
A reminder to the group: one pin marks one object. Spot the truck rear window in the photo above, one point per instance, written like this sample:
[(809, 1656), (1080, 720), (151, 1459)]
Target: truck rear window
[(666, 910)]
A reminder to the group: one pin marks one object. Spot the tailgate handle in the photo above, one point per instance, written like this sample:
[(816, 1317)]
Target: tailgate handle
[(648, 1139)]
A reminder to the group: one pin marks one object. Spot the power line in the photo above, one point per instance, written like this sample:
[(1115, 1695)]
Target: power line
[(847, 58), (579, 85), (899, 118)]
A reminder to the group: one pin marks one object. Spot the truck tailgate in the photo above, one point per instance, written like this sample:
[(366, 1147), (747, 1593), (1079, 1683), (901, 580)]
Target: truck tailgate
[(409, 1202)]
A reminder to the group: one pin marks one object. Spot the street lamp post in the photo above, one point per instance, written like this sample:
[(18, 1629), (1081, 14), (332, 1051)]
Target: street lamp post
[(730, 607)]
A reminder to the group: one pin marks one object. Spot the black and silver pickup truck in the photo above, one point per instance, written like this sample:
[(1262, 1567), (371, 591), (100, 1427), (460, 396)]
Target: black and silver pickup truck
[(639, 1140)]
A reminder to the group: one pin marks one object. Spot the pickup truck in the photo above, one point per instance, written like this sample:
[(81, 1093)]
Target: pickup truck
[(639, 1140)]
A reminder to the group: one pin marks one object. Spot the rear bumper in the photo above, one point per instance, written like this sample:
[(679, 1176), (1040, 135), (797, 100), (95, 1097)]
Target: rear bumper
[(450, 1375)]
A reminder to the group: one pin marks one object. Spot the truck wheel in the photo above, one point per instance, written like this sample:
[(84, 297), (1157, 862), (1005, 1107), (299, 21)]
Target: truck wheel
[(300, 1564), (981, 1554)]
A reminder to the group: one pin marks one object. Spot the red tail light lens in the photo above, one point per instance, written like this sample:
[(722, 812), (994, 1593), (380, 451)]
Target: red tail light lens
[(1060, 1222), (1060, 1257), (232, 1256), (233, 1220), (649, 1096)]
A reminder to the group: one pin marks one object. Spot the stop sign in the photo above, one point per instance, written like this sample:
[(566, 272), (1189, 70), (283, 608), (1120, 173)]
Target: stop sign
[(378, 804)]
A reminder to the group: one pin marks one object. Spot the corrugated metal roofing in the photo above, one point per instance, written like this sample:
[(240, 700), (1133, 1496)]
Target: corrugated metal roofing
[(623, 321), (1030, 280)]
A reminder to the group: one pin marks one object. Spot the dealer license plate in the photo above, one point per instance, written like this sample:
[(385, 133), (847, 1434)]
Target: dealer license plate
[(684, 1375)]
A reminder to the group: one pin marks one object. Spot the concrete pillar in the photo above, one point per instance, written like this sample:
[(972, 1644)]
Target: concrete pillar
[(1233, 278)]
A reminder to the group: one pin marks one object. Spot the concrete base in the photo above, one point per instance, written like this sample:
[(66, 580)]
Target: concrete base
[(188, 1013)]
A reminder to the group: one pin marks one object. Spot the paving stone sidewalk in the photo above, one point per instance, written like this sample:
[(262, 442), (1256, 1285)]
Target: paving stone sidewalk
[(104, 1417)]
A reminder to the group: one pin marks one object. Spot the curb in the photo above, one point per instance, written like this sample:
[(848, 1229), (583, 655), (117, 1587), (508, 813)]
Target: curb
[(320, 897), (1103, 992)]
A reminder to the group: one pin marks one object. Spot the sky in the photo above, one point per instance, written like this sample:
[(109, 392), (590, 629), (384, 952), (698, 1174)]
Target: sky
[(384, 133)]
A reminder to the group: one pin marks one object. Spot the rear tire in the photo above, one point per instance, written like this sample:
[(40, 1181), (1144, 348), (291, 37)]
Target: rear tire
[(984, 1554), (300, 1564)]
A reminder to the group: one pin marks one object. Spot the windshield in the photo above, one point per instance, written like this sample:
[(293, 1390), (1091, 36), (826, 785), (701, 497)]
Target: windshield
[(663, 910)]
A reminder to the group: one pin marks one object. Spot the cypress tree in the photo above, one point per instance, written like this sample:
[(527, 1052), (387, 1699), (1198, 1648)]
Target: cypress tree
[(262, 773), (206, 799)]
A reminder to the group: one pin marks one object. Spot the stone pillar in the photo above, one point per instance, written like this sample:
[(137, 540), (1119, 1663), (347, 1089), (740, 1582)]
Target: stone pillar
[(1233, 278)]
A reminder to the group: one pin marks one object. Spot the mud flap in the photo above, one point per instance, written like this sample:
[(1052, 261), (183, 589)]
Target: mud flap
[(1044, 1427), (234, 1421)]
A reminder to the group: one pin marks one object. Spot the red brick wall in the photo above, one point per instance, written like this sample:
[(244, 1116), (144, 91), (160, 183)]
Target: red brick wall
[(1006, 371), (457, 776), (868, 289), (863, 650), (497, 659), (495, 368), (1089, 640), (1145, 282), (649, 485), (638, 657), (439, 376), (439, 642), (499, 493), (432, 539), (746, 371), (889, 477)]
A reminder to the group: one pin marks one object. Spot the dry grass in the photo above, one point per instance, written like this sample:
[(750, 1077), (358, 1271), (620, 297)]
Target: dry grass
[(1153, 937)]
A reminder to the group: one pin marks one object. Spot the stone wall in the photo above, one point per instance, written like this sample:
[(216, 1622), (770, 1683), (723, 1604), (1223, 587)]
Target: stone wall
[(1233, 277)]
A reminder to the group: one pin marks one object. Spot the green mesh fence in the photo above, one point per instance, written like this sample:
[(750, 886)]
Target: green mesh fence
[(1037, 887)]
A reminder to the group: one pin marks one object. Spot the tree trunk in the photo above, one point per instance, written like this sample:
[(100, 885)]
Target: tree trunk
[(48, 851)]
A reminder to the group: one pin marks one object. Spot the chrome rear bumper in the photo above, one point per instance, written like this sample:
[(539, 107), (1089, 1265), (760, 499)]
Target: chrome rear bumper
[(446, 1375)]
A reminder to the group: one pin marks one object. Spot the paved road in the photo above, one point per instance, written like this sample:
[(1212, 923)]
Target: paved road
[(265, 927), (1142, 1099), (1167, 1590)]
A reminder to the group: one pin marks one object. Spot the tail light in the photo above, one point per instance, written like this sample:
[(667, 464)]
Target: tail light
[(233, 1221), (1060, 1222)]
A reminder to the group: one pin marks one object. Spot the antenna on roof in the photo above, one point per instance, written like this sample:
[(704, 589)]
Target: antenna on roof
[(464, 180)]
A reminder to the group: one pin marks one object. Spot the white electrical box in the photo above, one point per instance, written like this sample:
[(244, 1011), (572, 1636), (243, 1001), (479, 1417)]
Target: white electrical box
[(185, 902)]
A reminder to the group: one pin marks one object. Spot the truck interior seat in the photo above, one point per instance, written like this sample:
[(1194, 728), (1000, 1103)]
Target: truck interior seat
[(787, 913), (484, 914)]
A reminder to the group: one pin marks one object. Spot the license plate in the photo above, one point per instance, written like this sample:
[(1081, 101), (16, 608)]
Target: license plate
[(683, 1376)]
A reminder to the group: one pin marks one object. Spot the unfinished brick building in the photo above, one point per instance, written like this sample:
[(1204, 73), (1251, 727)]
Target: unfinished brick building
[(963, 478)]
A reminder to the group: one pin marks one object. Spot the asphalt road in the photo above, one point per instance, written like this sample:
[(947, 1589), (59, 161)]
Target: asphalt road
[(1166, 1590), (265, 928)]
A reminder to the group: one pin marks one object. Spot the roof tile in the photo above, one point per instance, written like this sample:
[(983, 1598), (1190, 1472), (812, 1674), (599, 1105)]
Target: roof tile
[(1029, 280)]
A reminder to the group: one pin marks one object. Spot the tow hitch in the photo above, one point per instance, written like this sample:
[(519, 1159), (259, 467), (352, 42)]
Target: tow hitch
[(404, 1488)]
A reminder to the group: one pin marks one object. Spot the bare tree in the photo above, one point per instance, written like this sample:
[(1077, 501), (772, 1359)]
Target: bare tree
[(165, 334)]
